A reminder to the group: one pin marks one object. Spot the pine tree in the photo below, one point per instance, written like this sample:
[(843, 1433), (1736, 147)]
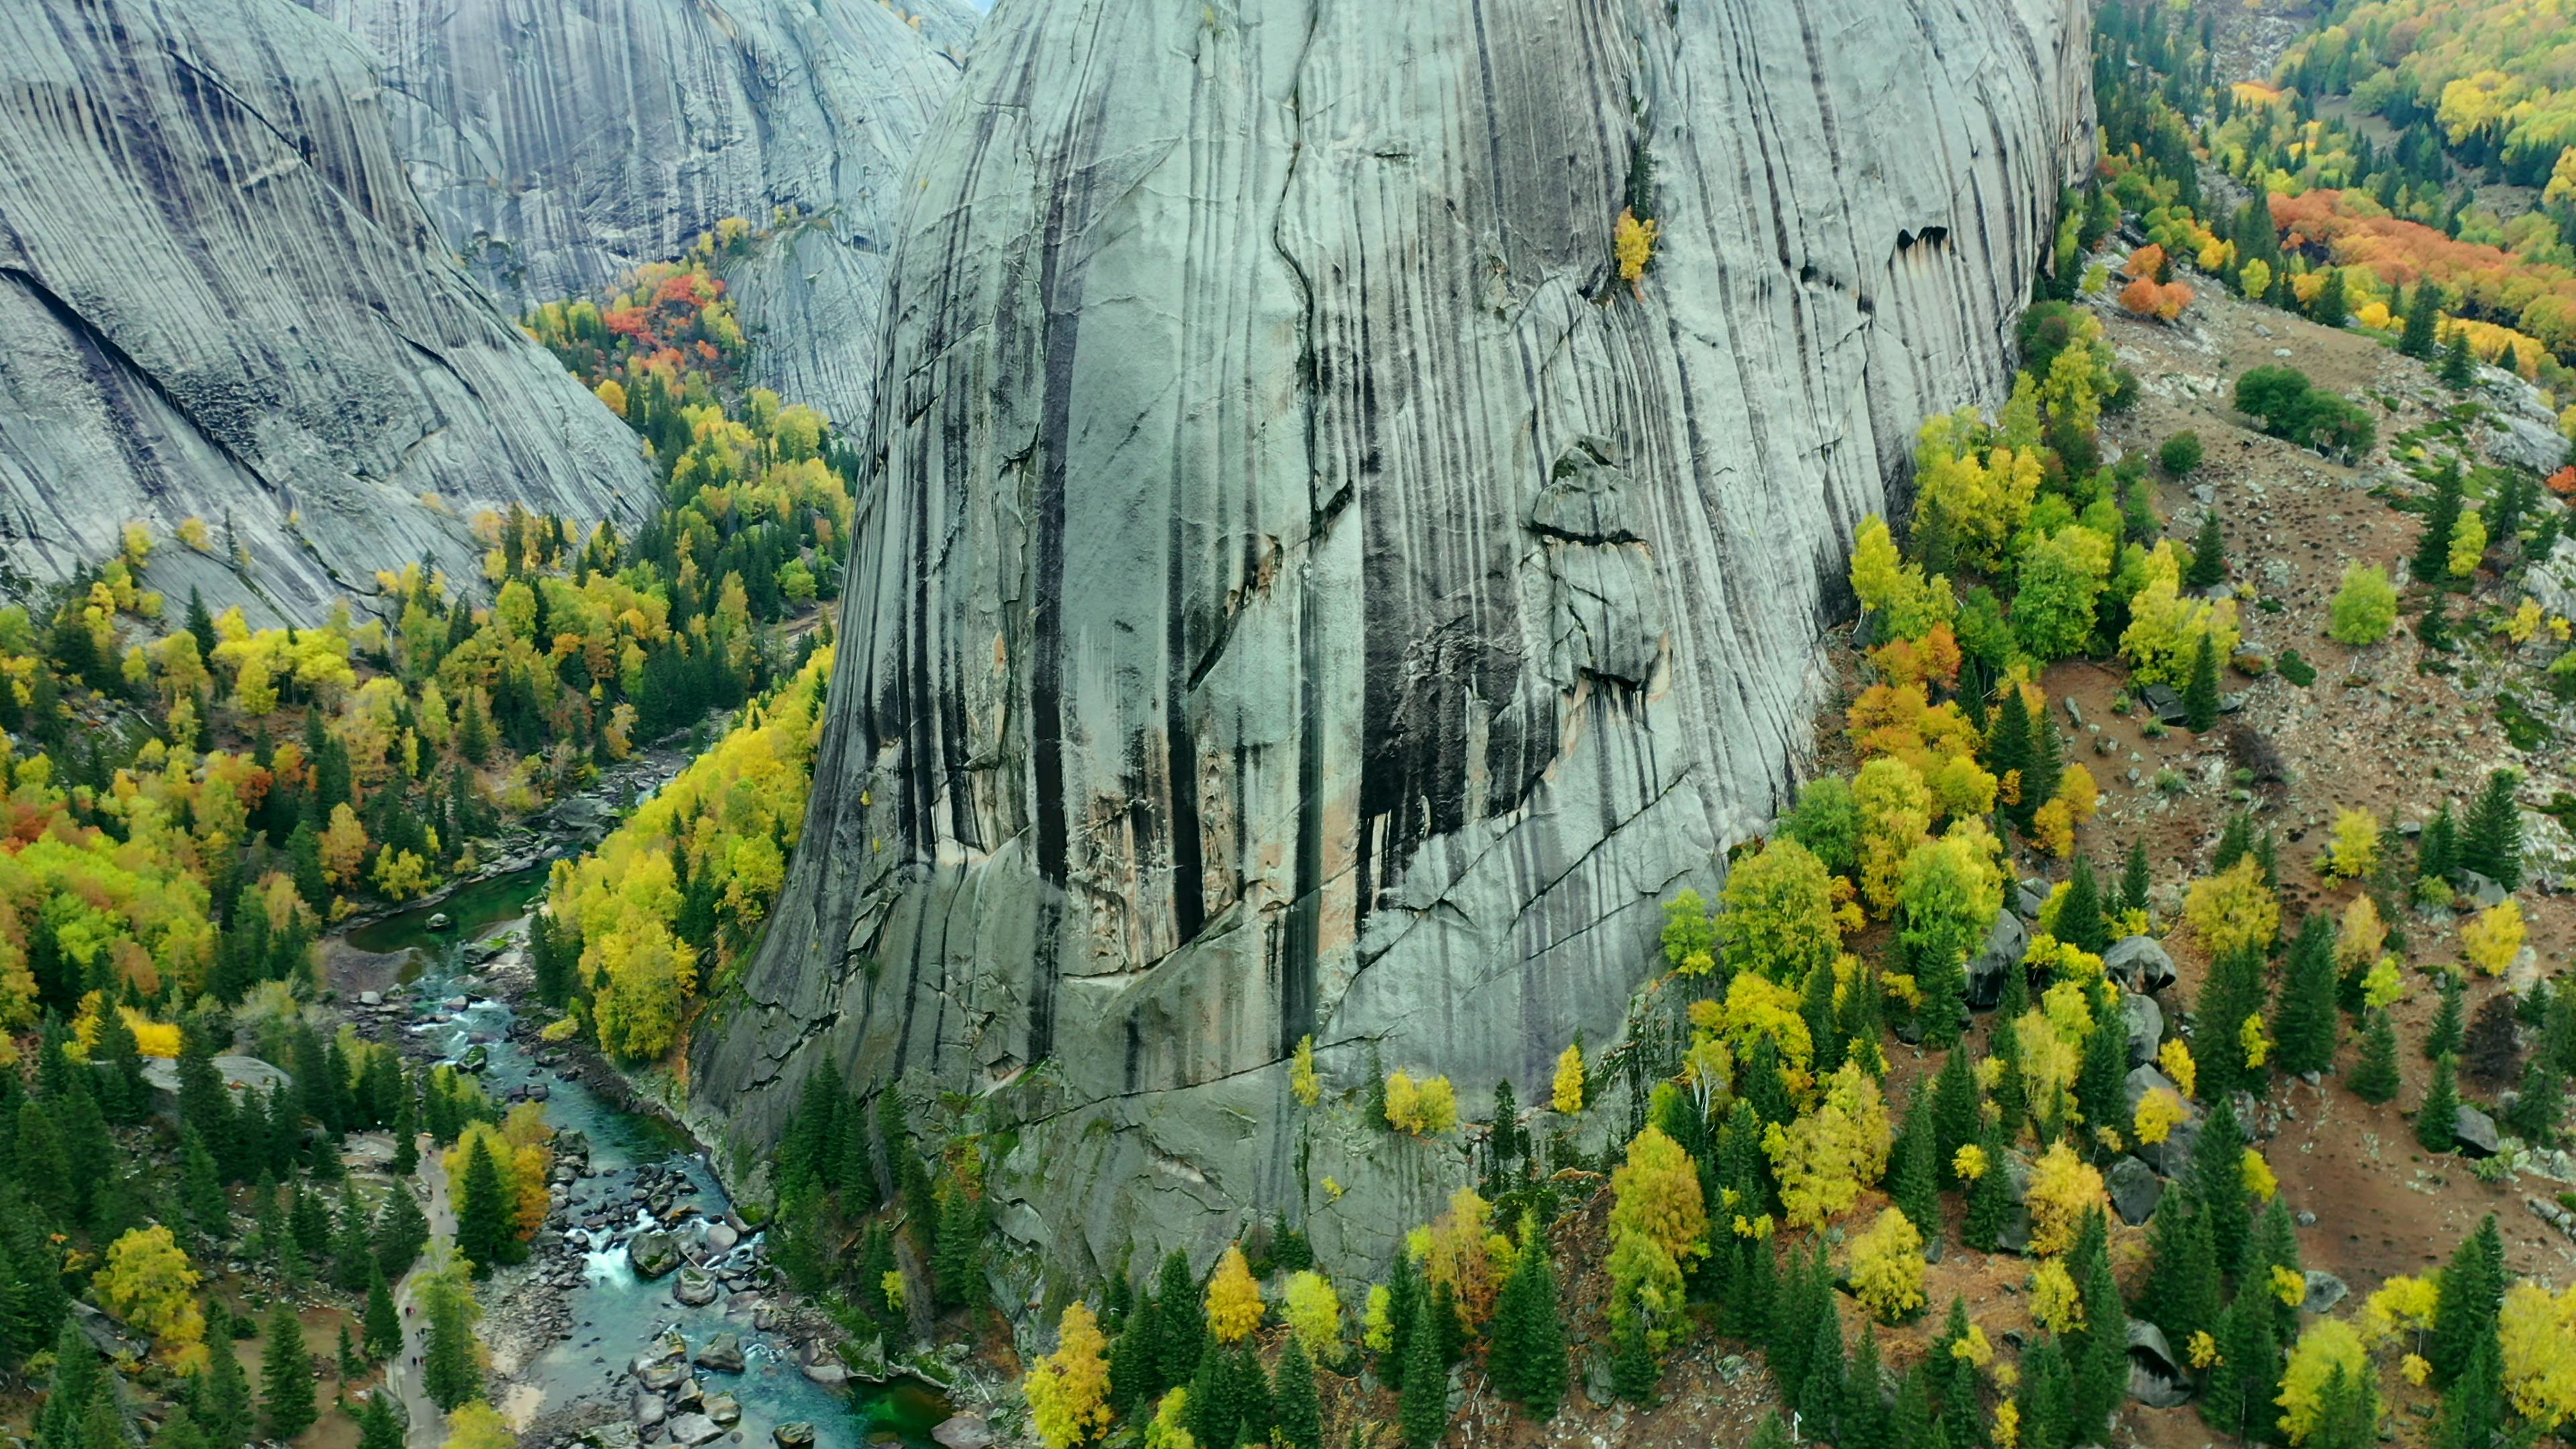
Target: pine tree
[(2079, 915), (2374, 1077), (1424, 1415), (2308, 1022), (1862, 1417), (2047, 1415), (401, 1233), (957, 1261), (285, 1377), (2470, 1296), (377, 1426), (2101, 1366), (2008, 744), (2459, 365), (2218, 1181), (483, 1229), (2491, 840), (1297, 1412), (448, 1369), (219, 1399), (2182, 1289), (2238, 1398), (2538, 1104), (2432, 562), (79, 1380), (1990, 1200), (351, 1367), (2446, 1035), (1820, 1393), (2133, 879), (2473, 1410), (2437, 1120), (1914, 1181), (2423, 314), (2208, 555), (384, 1327), (1956, 1119), (1184, 1321), (2200, 695)]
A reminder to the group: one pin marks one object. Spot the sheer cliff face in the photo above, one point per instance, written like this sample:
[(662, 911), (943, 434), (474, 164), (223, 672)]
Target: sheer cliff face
[(1303, 590), (560, 142), (223, 301)]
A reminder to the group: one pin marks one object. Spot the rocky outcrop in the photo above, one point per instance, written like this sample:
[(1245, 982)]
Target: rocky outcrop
[(1302, 590), (560, 142), (223, 301)]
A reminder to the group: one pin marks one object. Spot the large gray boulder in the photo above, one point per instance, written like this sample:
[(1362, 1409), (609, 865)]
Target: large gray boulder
[(224, 302), (2007, 942), (1303, 591), (558, 143), (2146, 1025), (652, 1253), (2475, 1132), (2157, 1378), (2139, 963), (2135, 1189)]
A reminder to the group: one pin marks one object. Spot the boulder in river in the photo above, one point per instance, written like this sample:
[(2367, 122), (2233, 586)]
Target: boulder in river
[(831, 1373), (965, 1431), (694, 1429), (721, 1237), (695, 1288), (652, 1254), (794, 1434), (723, 1353), (661, 1376), (725, 1409), (650, 1409)]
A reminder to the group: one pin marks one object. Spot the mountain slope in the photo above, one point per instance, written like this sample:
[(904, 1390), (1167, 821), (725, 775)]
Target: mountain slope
[(559, 143), (1304, 590), (224, 302)]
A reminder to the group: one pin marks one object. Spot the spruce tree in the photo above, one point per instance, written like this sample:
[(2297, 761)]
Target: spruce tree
[(2275, 1247), (401, 1233), (2472, 1411), (448, 1370), (956, 1263), (1545, 1370), (2448, 1032), (2101, 1357), (1424, 1415), (1956, 1118), (2433, 627), (2432, 562), (2134, 881), (2538, 1104), (351, 1367), (2470, 1295), (2459, 365), (2208, 555), (2235, 989), (1861, 1421), (2047, 763), (79, 1380), (1295, 1410), (2102, 1074), (2491, 839), (377, 1426), (2437, 1120), (2183, 1289), (2047, 1415), (353, 1247), (2374, 1077), (483, 1231), (2423, 314), (2243, 1383), (1914, 1180), (219, 1398), (1990, 1199), (202, 1187), (2079, 915), (285, 1377), (1248, 1385), (2307, 1022), (1214, 1416), (1184, 1320), (2200, 695), (383, 1326), (2218, 1181), (406, 1128), (1820, 1393), (2008, 743), (2235, 842)]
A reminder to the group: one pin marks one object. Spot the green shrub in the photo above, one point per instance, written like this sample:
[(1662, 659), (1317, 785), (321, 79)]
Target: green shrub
[(2365, 608), (2282, 399), (2181, 454)]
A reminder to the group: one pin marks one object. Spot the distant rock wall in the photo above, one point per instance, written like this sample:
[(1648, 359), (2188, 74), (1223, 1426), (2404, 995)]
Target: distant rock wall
[(1303, 590), (223, 300), (559, 143)]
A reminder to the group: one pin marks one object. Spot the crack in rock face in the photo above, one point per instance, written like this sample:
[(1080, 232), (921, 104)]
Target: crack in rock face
[(1301, 590)]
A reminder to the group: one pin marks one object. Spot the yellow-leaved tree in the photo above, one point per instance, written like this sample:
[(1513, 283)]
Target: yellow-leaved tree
[(1233, 1298), (1825, 1157), (148, 1282), (1887, 1266), (1567, 1096), (2493, 939), (2063, 1188), (1908, 603), (2328, 1344), (1068, 1390), (2233, 910), (477, 1425), (1895, 815), (2538, 1329), (1424, 1108), (1314, 1313), (2355, 851), (1779, 916), (1656, 1195)]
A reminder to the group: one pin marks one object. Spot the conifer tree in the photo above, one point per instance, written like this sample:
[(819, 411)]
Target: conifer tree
[(2423, 313), (1545, 1369), (1914, 1181), (449, 1372), (78, 1381), (1424, 1415), (2472, 1411), (377, 1427), (2437, 1120), (202, 1187), (959, 1254), (401, 1233), (2182, 1294), (2242, 1384), (1249, 1387), (2008, 744), (2102, 1074), (483, 1230), (2200, 694), (2101, 1356), (1297, 1412), (2308, 1022), (2079, 915), (2134, 881), (1214, 1416), (285, 1377), (1861, 1421), (351, 1367), (2047, 1415), (1405, 1311), (2471, 1295), (353, 1247), (2432, 561), (2275, 1246), (2447, 1033), (2538, 1104), (1184, 1320), (1990, 1200), (2437, 850), (1820, 1392), (2218, 1182), (2491, 838), (2459, 365), (2039, 779), (383, 1335), (2332, 308), (219, 1397), (1135, 1357), (1956, 1120), (2234, 990), (2374, 1077), (2208, 555)]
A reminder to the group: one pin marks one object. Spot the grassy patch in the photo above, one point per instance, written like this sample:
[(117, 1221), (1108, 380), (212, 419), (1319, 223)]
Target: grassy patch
[(2296, 669)]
